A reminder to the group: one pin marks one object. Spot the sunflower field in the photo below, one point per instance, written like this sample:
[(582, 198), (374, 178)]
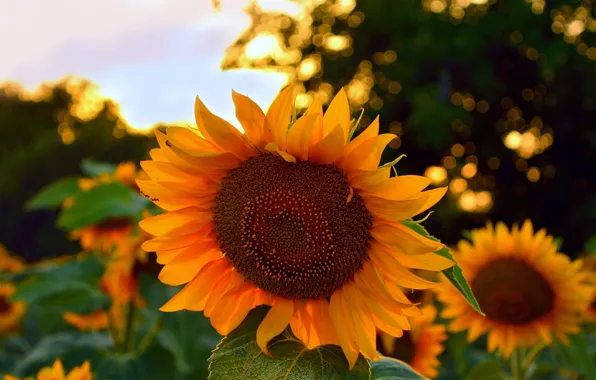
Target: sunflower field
[(417, 202)]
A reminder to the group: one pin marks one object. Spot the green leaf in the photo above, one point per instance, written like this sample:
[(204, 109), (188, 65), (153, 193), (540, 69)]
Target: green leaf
[(488, 370), (101, 202), (393, 369), (454, 274), (118, 367), (576, 355), (187, 336), (55, 346), (590, 246), (88, 269), (239, 357), (52, 195), (94, 168), (60, 296)]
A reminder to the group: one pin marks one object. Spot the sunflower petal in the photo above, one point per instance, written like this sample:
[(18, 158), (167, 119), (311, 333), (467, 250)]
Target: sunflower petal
[(273, 148), (329, 148), (403, 239), (162, 224), (368, 154), (251, 117), (242, 300), (184, 267), (394, 211), (338, 112), (224, 134), (275, 322), (369, 180), (339, 324), (299, 136), (189, 140), (278, 116), (401, 187)]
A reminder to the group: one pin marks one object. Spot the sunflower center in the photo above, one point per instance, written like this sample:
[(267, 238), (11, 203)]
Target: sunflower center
[(512, 292), (403, 348), (4, 305), (288, 228)]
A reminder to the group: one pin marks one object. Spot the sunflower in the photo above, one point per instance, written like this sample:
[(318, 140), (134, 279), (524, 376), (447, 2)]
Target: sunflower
[(528, 291), (419, 347), (56, 372), (11, 313), (120, 283), (111, 232), (98, 320), (8, 262), (293, 214), (590, 267)]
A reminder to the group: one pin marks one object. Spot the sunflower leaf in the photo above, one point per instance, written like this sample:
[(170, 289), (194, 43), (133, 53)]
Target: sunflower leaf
[(454, 274), (109, 200), (52, 195), (238, 356), (393, 369), (94, 168), (488, 370)]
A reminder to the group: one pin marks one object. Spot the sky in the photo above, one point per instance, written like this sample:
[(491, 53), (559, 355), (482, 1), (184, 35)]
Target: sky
[(151, 56)]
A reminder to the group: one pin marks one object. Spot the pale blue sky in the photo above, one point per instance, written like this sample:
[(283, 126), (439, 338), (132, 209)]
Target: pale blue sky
[(151, 56)]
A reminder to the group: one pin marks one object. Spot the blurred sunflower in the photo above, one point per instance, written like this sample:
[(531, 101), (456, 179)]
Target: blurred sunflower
[(296, 215), (56, 372), (120, 282), (419, 347), (110, 232), (8, 262), (11, 313), (528, 291), (590, 267)]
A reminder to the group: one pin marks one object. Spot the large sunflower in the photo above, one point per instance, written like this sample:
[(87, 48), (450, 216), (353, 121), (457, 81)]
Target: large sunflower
[(528, 291), (11, 313), (56, 372), (297, 216), (419, 347)]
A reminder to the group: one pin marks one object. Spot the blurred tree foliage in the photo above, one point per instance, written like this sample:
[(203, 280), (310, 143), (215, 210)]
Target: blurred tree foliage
[(499, 96), (45, 135)]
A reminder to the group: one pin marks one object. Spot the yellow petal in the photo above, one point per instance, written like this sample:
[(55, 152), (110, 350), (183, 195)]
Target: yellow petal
[(371, 131), (369, 180), (430, 197), (251, 117), (188, 263), (225, 135), (402, 187), (425, 261), (339, 323), (174, 242), (278, 116), (198, 288), (200, 110), (299, 136), (394, 211), (403, 239), (368, 154), (329, 148), (394, 271), (273, 148), (226, 283), (188, 139), (338, 112), (316, 108), (162, 224), (243, 301), (275, 322)]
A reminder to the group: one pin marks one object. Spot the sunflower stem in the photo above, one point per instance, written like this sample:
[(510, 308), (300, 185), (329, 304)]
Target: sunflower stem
[(517, 369), (128, 344), (148, 338), (531, 356)]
